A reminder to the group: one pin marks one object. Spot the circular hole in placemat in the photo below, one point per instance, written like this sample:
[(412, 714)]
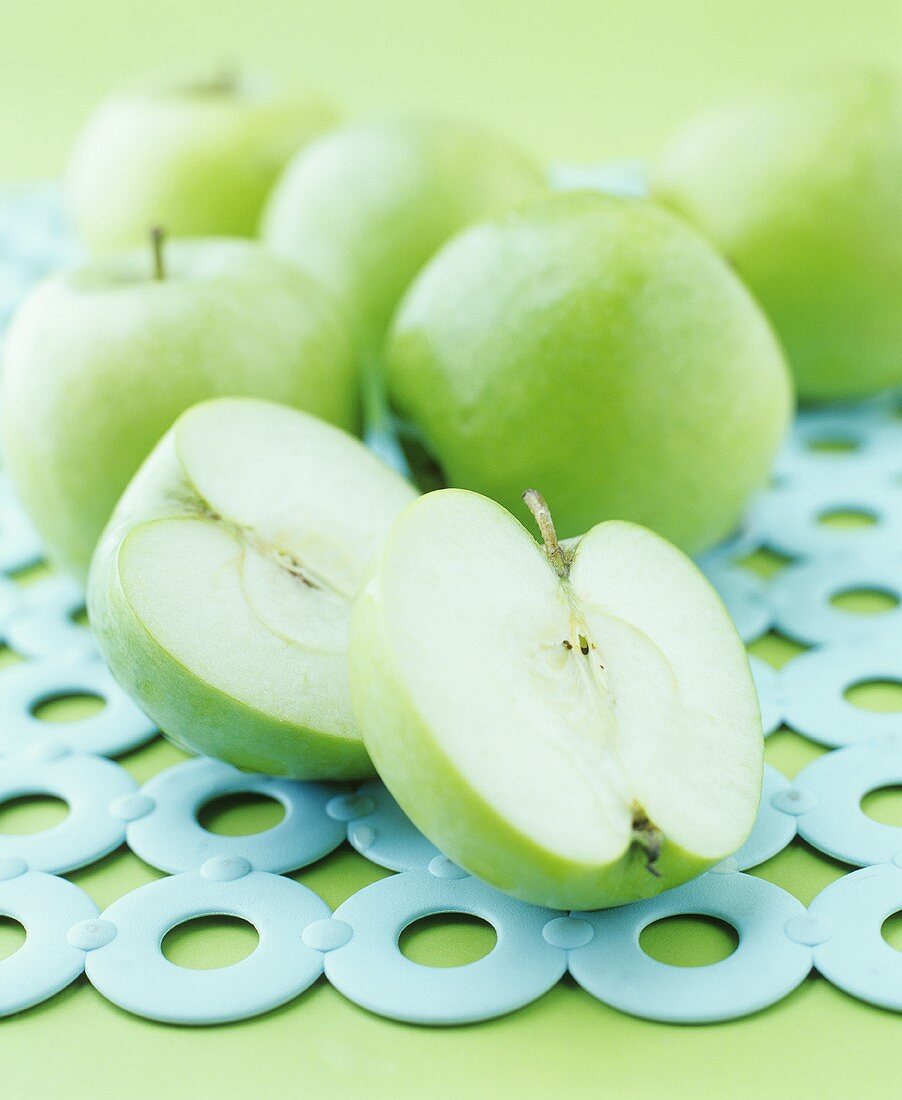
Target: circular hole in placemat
[(447, 939), (882, 696), (690, 939), (12, 936), (865, 601), (28, 574), (765, 562), (892, 930), (31, 813), (884, 804), (73, 706), (210, 942), (8, 656), (847, 519), (834, 445), (240, 813)]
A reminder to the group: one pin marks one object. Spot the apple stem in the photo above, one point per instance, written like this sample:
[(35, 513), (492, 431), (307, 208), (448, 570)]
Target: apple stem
[(157, 236), (555, 553)]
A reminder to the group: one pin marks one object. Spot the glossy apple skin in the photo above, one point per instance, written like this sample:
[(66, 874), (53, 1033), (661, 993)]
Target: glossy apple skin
[(101, 360), (196, 158), (802, 191), (402, 746), (365, 206), (600, 348)]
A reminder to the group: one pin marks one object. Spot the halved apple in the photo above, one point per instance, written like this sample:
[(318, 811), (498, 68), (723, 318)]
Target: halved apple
[(577, 726), (221, 590)]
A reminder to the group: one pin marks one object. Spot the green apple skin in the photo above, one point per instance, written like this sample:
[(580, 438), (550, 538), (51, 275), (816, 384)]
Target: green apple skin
[(600, 348), (262, 485), (197, 156), (100, 361), (802, 190), (364, 207), (446, 805)]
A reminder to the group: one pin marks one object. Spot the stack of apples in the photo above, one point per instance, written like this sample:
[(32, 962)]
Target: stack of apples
[(570, 717)]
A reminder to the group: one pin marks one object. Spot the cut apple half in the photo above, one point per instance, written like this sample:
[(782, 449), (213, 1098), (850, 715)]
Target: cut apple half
[(221, 591), (575, 724)]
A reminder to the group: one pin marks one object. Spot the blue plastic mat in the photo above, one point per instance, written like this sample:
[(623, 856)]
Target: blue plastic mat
[(357, 946)]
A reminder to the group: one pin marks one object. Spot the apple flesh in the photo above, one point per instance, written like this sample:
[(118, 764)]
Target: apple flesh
[(221, 591), (598, 347), (198, 155), (100, 361), (364, 207), (576, 726), (802, 189)]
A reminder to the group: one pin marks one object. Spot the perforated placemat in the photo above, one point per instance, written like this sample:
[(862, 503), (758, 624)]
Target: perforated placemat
[(844, 464)]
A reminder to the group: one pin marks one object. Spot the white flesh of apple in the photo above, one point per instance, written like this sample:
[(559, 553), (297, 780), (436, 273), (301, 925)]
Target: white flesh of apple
[(591, 713), (245, 568)]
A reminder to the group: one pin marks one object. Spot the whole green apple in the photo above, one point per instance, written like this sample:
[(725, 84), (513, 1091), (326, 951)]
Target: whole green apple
[(196, 155), (601, 348), (578, 727), (221, 590), (100, 361), (802, 190), (365, 206)]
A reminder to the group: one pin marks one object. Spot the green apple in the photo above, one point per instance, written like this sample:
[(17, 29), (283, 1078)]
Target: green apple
[(197, 155), (578, 726), (100, 361), (220, 593), (802, 190), (599, 347), (364, 207)]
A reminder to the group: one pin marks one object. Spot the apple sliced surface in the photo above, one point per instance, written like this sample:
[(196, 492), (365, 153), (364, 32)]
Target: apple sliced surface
[(576, 725), (221, 590)]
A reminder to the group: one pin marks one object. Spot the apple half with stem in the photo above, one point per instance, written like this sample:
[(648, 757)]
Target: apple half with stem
[(575, 724), (221, 590)]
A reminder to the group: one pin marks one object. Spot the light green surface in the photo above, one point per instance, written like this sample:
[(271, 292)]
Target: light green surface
[(580, 79), (576, 78)]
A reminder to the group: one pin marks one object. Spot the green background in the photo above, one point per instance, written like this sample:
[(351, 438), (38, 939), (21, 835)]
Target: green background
[(570, 79)]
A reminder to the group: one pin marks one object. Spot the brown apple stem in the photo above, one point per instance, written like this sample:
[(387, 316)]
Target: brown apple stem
[(555, 553), (157, 236)]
